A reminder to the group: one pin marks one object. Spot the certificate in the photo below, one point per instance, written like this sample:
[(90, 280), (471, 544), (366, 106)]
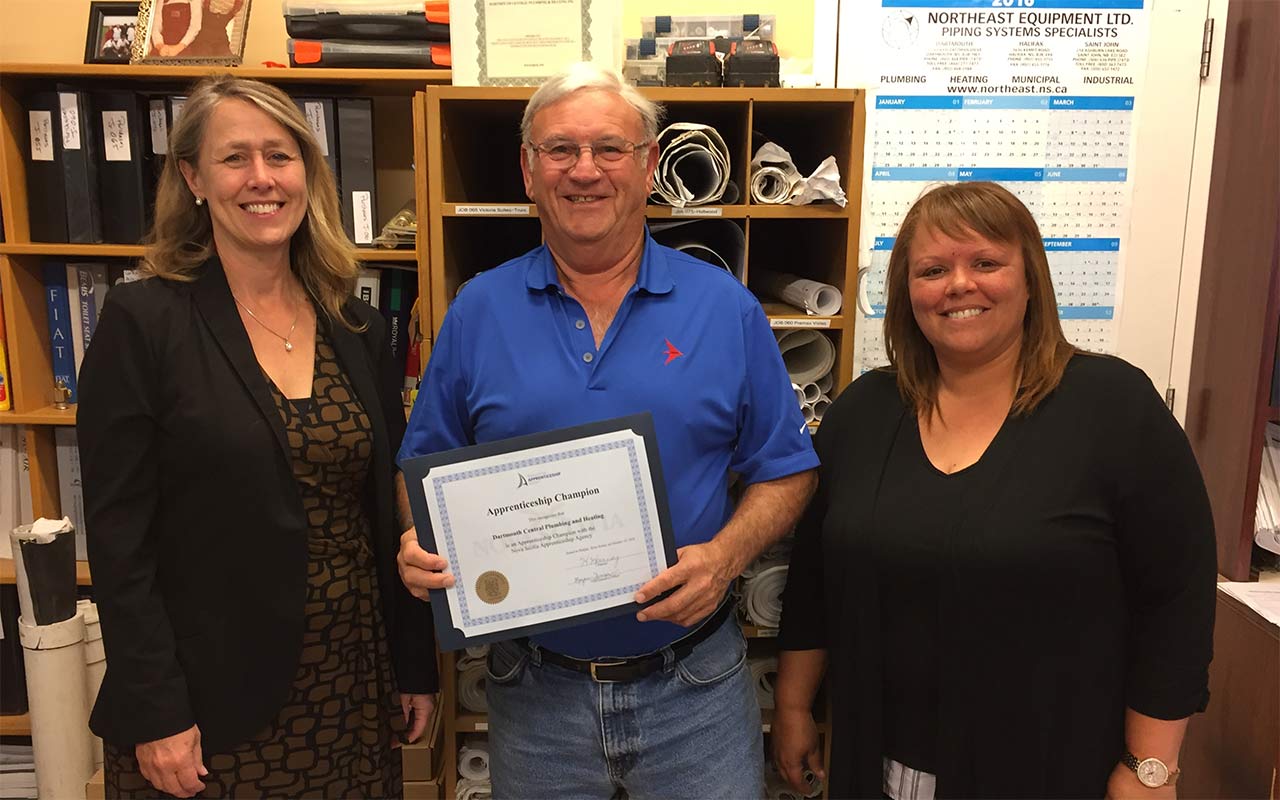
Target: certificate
[(543, 531), (523, 42)]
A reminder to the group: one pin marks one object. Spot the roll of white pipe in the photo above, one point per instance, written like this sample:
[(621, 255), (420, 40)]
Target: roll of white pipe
[(820, 407), (764, 671), (471, 683), (807, 411), (825, 383), (814, 297), (95, 659), (811, 393), (473, 762), (473, 790), (57, 696), (762, 595), (807, 354)]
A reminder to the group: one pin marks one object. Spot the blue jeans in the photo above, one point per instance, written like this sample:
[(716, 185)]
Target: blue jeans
[(690, 729)]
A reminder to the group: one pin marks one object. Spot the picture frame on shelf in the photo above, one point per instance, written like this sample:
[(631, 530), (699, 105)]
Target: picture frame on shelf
[(193, 32), (111, 33)]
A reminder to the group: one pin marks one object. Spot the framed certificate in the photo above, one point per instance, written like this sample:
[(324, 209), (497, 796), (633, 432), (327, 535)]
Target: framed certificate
[(543, 531)]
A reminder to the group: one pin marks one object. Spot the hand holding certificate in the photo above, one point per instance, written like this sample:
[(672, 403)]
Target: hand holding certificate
[(542, 531)]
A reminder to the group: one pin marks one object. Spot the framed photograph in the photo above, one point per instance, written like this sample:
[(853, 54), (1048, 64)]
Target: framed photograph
[(191, 32), (111, 33)]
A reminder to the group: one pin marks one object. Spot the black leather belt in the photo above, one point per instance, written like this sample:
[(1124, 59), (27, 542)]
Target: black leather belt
[(620, 670)]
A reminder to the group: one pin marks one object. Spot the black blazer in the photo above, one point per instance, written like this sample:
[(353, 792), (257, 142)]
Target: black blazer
[(196, 534)]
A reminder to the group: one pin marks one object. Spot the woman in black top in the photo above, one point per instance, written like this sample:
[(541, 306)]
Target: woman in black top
[(1009, 564)]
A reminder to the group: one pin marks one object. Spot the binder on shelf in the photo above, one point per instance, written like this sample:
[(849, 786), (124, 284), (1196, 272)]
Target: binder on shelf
[(79, 167), (319, 112), (76, 315), (69, 488), (126, 190), (355, 169), (59, 312), (9, 502), (399, 290), (46, 191), (369, 286), (91, 291)]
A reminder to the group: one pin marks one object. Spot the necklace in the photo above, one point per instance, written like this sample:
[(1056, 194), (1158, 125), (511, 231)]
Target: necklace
[(288, 343)]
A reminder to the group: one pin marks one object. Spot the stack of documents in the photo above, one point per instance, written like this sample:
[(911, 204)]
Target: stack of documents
[(17, 771)]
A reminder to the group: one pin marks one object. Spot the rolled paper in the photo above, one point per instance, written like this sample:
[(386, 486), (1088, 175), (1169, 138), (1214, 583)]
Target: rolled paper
[(693, 168), (762, 596), (807, 354), (813, 297), (471, 682), (820, 407)]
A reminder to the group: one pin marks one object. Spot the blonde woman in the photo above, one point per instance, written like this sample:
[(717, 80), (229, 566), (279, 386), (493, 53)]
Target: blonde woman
[(238, 419)]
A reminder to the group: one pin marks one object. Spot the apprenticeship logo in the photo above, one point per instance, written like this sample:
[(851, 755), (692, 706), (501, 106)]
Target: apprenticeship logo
[(523, 480), (672, 352)]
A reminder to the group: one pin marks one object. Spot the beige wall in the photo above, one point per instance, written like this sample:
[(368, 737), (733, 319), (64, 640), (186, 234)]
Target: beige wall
[(53, 31)]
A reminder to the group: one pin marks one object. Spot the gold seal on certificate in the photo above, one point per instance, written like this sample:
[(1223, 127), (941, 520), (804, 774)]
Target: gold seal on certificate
[(492, 587)]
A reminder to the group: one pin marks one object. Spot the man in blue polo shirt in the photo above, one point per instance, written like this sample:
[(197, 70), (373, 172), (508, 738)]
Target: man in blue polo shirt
[(597, 323)]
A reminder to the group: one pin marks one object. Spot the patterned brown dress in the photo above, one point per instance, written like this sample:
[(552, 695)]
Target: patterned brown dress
[(333, 738)]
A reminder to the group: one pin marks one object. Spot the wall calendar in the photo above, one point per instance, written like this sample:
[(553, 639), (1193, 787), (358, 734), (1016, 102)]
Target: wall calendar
[(1039, 95)]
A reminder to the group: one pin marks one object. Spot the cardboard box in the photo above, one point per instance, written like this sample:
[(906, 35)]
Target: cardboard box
[(421, 759), (94, 789), (422, 790)]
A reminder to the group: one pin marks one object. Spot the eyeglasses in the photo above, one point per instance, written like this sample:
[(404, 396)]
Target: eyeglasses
[(607, 153)]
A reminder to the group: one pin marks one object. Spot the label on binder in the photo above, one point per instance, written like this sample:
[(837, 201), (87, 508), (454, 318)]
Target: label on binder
[(799, 322), (70, 121), (698, 211), (315, 116), (362, 208), (41, 123), (491, 211), (159, 128), (115, 135)]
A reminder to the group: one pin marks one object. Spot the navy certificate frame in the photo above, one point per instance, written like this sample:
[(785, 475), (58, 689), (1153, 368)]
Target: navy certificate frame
[(418, 472)]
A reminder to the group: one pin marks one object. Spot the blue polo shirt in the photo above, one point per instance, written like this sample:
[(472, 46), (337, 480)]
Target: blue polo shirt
[(689, 344)]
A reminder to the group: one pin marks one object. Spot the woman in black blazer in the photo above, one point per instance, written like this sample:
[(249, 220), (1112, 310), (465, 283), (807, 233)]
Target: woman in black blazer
[(239, 416)]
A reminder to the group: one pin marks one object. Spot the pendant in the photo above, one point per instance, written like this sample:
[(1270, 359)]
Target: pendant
[(288, 346)]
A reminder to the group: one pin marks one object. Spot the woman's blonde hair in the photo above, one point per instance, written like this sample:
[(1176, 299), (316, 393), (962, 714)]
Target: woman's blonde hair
[(181, 237), (960, 211)]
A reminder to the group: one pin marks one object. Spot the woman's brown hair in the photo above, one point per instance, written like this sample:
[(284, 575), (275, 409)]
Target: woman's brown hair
[(960, 211), (181, 237)]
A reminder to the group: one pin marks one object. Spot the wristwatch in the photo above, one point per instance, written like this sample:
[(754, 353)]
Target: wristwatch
[(1152, 772)]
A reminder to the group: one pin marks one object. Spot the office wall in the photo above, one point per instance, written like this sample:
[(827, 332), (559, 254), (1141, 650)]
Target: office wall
[(53, 31)]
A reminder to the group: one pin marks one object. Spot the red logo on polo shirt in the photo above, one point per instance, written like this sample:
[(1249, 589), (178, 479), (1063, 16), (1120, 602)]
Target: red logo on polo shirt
[(672, 352)]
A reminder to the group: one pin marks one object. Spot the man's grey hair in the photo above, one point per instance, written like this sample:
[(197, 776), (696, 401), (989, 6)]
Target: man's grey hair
[(585, 75)]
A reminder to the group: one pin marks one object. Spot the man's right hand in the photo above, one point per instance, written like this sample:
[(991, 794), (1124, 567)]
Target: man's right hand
[(421, 571), (173, 764)]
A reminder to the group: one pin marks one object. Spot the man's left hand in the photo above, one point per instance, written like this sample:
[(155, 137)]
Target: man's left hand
[(703, 572)]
